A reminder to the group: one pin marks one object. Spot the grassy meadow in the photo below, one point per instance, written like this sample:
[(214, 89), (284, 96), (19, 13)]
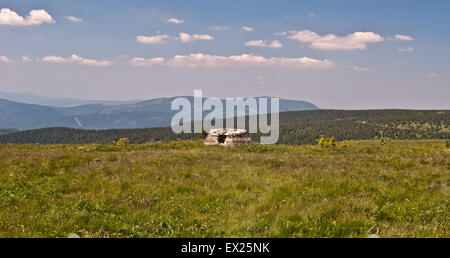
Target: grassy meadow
[(184, 189)]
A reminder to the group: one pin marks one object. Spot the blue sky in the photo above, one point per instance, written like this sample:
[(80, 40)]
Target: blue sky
[(335, 54)]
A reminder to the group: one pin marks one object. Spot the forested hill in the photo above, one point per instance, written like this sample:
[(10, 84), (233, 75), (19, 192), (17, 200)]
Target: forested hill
[(305, 127), (297, 127)]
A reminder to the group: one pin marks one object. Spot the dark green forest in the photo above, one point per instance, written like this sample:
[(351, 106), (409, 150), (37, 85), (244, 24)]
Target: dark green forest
[(296, 127)]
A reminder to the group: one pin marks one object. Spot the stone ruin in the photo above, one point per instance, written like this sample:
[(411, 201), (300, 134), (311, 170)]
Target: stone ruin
[(228, 137)]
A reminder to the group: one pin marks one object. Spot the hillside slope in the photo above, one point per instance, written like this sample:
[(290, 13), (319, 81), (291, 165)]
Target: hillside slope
[(13, 112)]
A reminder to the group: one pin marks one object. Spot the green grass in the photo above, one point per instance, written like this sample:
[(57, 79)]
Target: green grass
[(184, 189)]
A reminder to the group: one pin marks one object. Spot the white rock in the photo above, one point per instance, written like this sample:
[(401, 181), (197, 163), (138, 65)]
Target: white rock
[(73, 236), (227, 137)]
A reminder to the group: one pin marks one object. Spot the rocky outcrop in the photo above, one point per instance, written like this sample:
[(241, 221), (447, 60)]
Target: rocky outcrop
[(228, 137)]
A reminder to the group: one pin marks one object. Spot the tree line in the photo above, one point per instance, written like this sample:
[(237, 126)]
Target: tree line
[(296, 127)]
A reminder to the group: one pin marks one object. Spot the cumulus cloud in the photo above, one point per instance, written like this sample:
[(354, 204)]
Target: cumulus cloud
[(186, 38), (247, 28), (406, 49), (175, 21), (157, 39), (245, 60), (403, 37), (281, 33), (264, 43), (35, 17), (357, 40), (74, 59), (218, 27), (311, 14), (26, 59), (4, 59), (164, 38), (74, 19)]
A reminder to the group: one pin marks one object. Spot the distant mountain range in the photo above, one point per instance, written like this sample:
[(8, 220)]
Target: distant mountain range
[(8, 130), (149, 113), (30, 98)]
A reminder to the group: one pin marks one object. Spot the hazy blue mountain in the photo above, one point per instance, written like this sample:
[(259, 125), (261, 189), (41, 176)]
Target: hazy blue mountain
[(30, 98), (8, 130), (14, 112), (163, 105), (150, 113)]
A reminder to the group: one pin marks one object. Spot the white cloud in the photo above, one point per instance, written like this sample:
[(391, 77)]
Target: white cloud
[(281, 33), (406, 49), (311, 14), (4, 59), (218, 27), (26, 59), (403, 37), (244, 60), (175, 21), (357, 40), (361, 69), (186, 38), (164, 38), (74, 59), (157, 39), (74, 19), (264, 43), (35, 17), (246, 28), (432, 75)]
